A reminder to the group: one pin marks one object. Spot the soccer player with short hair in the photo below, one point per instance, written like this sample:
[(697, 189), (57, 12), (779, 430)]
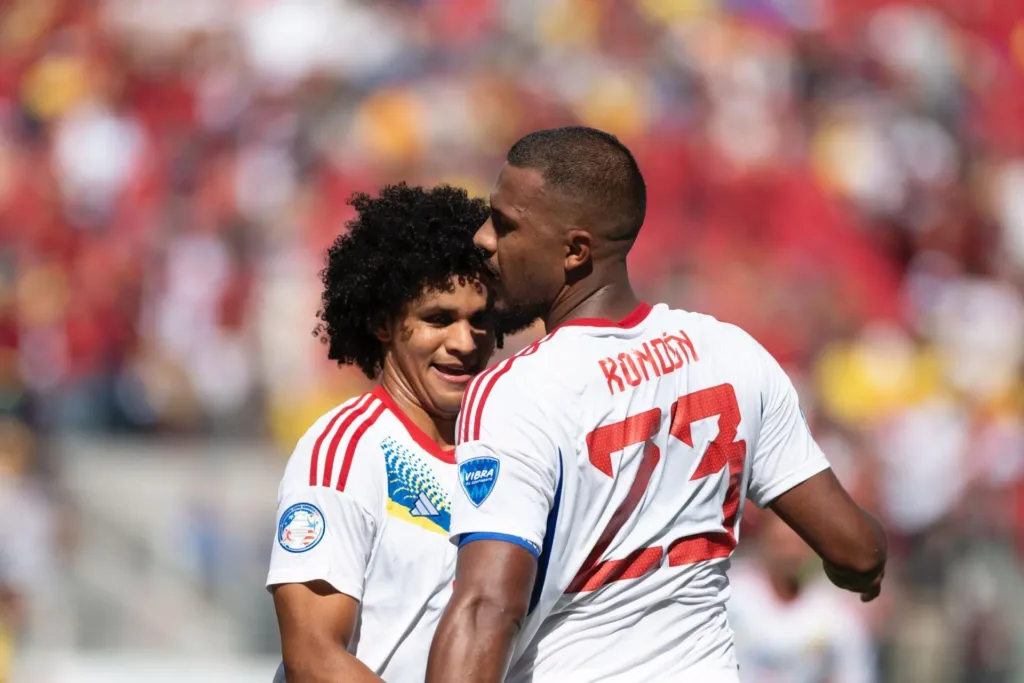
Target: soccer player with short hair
[(604, 469), (361, 567)]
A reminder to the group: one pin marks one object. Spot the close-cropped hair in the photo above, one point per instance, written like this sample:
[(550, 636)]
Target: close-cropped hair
[(593, 170)]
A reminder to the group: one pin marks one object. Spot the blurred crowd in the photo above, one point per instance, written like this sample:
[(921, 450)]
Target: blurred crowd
[(842, 178)]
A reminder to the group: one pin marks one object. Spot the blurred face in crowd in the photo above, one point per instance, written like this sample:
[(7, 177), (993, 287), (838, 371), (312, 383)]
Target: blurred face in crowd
[(526, 241), (785, 554), (440, 342)]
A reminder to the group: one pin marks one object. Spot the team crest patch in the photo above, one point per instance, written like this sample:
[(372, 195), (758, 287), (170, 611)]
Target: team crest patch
[(300, 528), (477, 476)]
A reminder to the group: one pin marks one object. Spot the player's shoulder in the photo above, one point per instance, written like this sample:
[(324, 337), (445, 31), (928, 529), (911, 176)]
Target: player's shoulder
[(721, 339), (332, 451), (553, 360), (707, 330), (551, 367), (530, 382), (531, 366)]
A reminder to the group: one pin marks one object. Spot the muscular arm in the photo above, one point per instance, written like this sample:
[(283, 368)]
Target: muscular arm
[(316, 625), (474, 641), (851, 542)]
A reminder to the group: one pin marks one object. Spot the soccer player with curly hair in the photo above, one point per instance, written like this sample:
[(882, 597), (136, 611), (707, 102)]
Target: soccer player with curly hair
[(362, 567)]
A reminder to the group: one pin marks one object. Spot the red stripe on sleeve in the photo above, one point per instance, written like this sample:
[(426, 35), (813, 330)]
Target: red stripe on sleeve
[(466, 414), (320, 440), (346, 464), (333, 449), (478, 410), (483, 399)]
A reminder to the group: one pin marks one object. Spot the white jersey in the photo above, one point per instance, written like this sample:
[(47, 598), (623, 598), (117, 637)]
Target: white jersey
[(815, 638), (621, 455), (364, 505)]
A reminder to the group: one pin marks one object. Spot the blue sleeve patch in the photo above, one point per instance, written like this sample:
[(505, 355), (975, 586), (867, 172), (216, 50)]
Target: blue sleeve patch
[(508, 538), (478, 476)]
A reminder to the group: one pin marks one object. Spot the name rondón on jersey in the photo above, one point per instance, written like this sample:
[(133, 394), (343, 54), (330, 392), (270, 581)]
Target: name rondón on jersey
[(348, 425)]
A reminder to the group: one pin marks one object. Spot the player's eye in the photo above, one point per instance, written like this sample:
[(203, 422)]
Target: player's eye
[(482, 321), (502, 226), (438, 319)]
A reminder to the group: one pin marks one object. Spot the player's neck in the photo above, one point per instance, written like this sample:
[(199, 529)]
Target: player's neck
[(440, 431), (606, 293)]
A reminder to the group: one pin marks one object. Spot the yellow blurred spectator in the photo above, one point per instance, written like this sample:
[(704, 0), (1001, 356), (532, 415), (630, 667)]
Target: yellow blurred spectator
[(55, 85), (618, 103), (289, 414), (570, 22), (877, 373), (42, 296), (16, 448), (474, 184), (671, 11), (388, 125), (9, 604)]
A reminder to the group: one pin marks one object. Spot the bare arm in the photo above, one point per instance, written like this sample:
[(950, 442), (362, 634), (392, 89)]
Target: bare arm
[(474, 641), (316, 625), (851, 542)]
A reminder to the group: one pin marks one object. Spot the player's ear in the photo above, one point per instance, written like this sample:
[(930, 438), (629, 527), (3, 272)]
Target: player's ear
[(578, 244), (383, 329)]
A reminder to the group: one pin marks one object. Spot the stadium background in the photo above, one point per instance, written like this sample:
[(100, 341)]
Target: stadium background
[(843, 178)]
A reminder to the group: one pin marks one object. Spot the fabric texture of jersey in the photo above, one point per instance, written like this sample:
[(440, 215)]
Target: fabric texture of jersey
[(621, 454), (364, 504), (814, 637)]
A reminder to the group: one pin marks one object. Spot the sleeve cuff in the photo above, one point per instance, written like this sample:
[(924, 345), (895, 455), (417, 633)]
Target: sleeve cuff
[(339, 582), (795, 477), (463, 539)]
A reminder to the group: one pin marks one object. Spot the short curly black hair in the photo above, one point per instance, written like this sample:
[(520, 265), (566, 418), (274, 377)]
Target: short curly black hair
[(401, 243)]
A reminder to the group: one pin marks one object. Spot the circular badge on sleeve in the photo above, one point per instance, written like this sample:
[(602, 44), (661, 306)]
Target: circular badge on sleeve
[(300, 528)]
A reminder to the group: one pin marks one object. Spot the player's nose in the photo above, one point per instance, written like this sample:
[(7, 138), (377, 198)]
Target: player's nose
[(485, 237), (461, 341)]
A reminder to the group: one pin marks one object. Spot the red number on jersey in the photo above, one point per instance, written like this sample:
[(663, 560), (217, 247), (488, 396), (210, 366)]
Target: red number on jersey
[(722, 452), (601, 443)]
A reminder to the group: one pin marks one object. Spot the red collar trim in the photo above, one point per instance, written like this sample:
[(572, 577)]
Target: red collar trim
[(417, 434), (638, 315)]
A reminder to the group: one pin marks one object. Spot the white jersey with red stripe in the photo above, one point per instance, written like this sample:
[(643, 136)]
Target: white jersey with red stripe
[(364, 505), (621, 455), (817, 636)]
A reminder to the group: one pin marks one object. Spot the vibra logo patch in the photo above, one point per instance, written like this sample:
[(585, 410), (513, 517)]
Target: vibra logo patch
[(477, 476)]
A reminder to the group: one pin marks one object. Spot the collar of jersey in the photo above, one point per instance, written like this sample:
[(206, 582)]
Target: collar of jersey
[(637, 316), (417, 434)]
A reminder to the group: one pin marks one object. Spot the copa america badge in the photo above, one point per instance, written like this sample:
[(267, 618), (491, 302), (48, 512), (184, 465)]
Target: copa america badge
[(300, 528)]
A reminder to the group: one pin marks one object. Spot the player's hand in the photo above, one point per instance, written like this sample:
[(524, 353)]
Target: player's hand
[(868, 585)]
